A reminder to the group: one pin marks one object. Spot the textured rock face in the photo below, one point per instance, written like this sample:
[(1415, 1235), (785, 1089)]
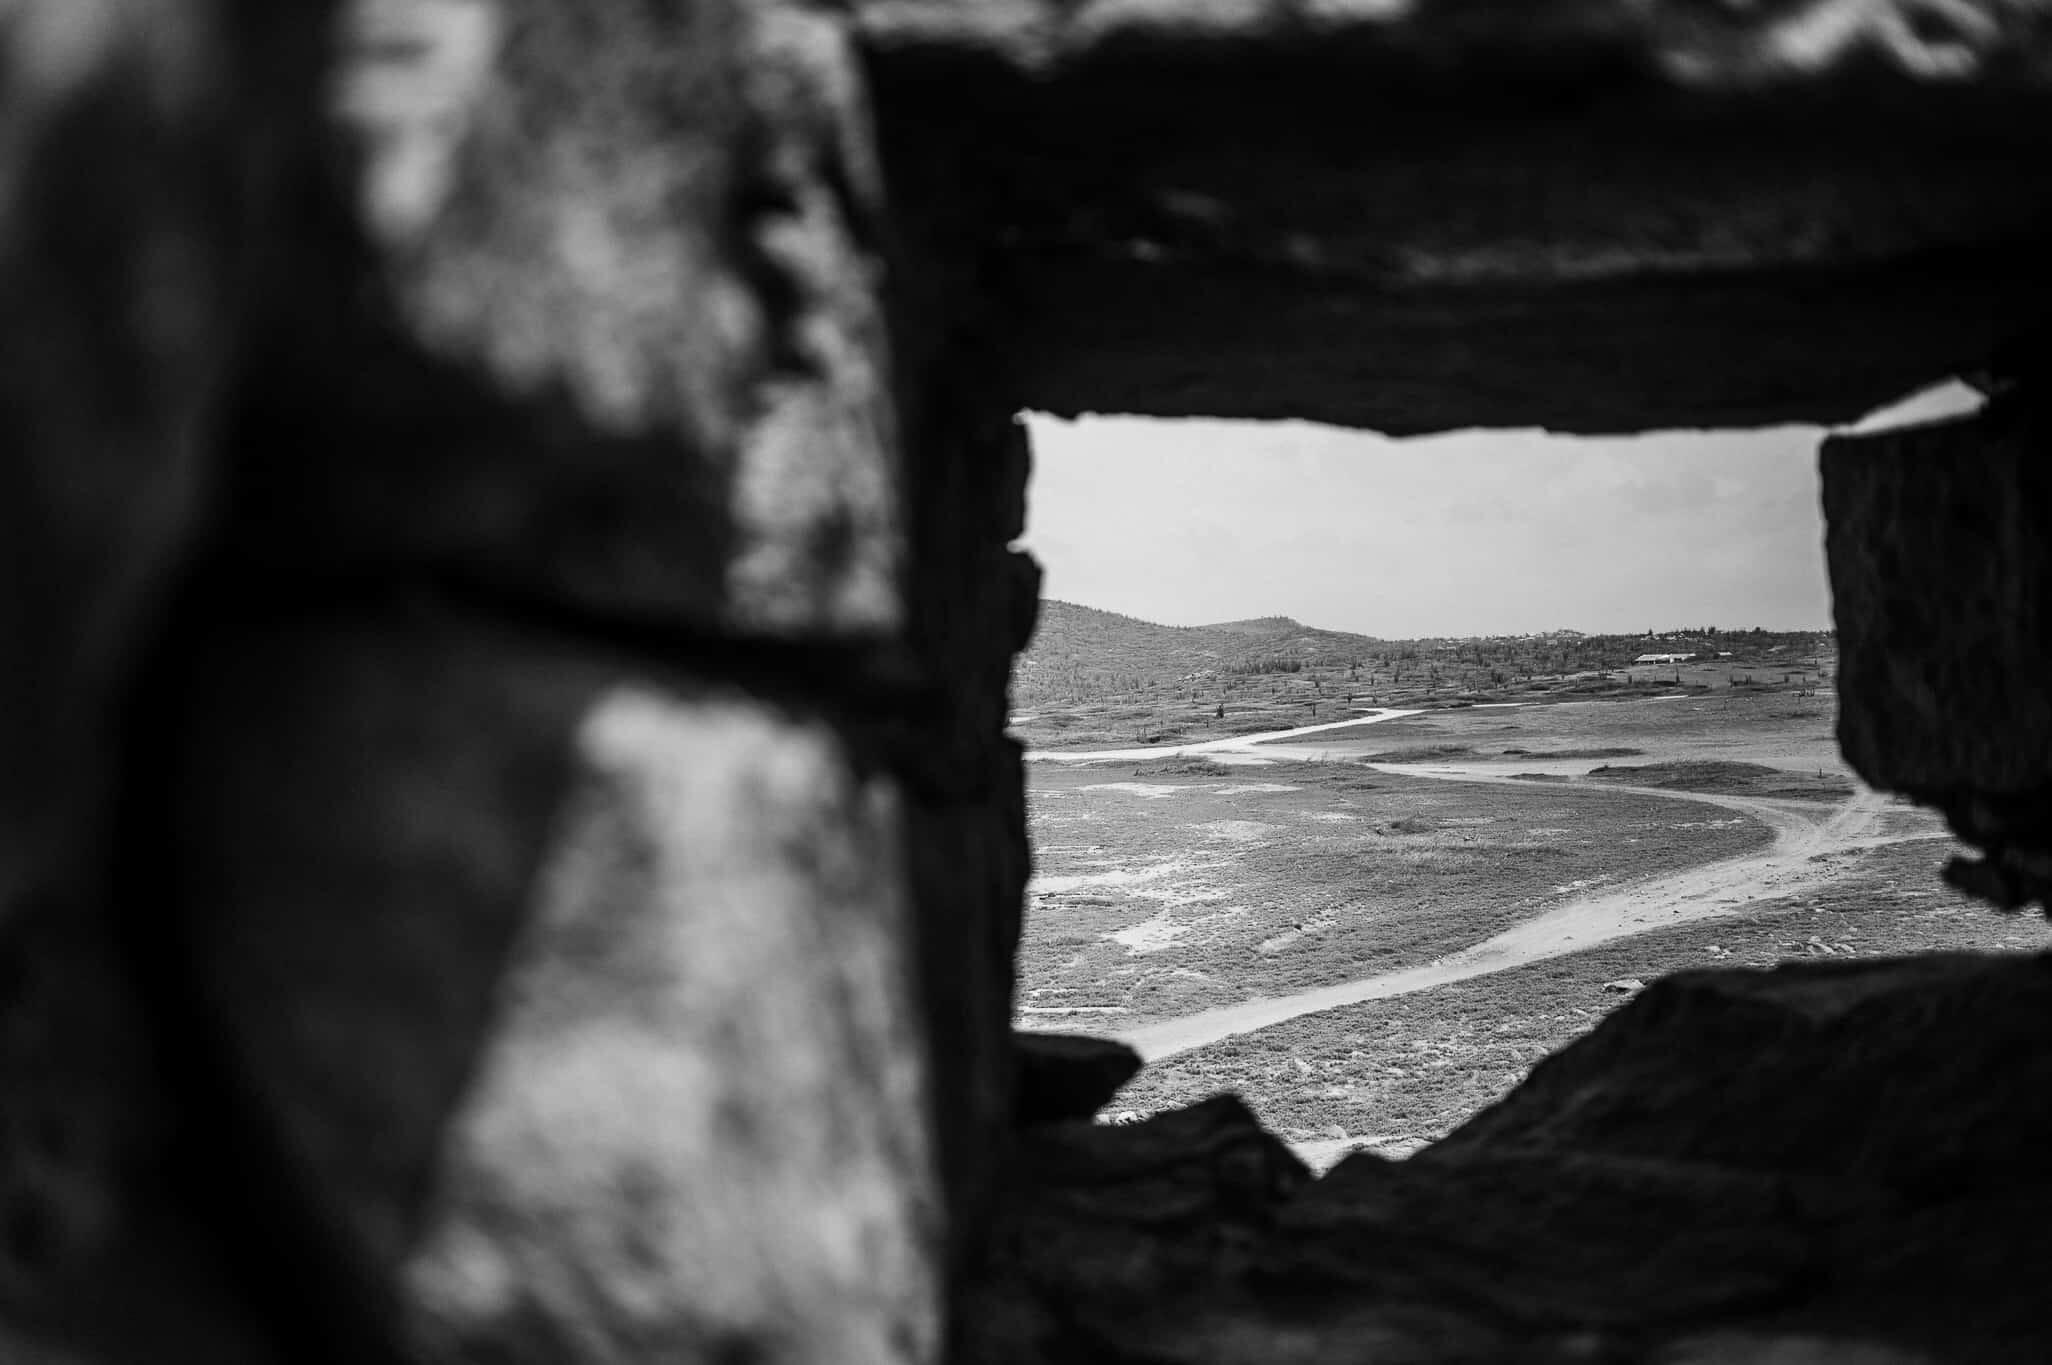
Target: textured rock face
[(513, 843), (1822, 1052), (593, 1023), (1995, 42), (1664, 214), (609, 341), (1817, 1163), (1940, 590)]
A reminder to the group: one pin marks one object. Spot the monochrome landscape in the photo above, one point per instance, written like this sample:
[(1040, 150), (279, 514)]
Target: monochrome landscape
[(1367, 883)]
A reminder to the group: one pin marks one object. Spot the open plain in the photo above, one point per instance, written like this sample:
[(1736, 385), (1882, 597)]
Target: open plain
[(1371, 923)]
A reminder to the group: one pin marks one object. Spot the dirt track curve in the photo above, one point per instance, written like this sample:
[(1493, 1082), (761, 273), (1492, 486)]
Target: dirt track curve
[(1807, 836), (1377, 714)]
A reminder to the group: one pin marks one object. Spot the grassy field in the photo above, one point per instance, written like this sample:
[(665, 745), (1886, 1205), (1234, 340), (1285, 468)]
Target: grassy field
[(1172, 886), (1778, 729), (1166, 887), (1392, 1075), (1722, 775)]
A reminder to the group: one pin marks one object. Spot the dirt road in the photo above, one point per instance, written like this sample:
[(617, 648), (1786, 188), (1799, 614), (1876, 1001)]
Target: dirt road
[(1808, 837), (1214, 746)]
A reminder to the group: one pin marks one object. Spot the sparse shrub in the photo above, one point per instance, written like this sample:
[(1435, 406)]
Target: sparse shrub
[(1182, 765)]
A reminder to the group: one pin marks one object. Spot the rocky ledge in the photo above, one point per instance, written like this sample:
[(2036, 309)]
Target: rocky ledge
[(1829, 1163)]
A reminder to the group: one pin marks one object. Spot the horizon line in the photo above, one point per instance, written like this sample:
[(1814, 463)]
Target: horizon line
[(1472, 635)]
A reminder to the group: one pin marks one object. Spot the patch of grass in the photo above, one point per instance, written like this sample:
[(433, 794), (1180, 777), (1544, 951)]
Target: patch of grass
[(1780, 730), (1698, 773), (1410, 1069), (1716, 775), (1182, 765), (1420, 754), (1284, 876)]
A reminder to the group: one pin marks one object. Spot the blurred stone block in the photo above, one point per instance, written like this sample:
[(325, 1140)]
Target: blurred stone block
[(586, 990), (592, 318), (1941, 586)]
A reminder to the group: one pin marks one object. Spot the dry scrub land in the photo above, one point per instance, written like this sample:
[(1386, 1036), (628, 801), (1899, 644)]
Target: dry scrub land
[(1780, 730), (1167, 889), (1097, 680), (1393, 1075)]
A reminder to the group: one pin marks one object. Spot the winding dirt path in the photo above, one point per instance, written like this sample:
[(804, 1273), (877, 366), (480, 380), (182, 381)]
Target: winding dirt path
[(1214, 746), (1807, 836)]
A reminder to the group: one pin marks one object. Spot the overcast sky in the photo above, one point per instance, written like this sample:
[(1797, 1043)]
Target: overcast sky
[(1472, 533)]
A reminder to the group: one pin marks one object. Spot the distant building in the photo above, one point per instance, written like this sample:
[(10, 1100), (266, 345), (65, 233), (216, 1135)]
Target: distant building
[(1663, 658)]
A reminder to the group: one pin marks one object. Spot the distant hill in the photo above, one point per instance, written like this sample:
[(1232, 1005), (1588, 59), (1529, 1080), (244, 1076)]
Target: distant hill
[(1080, 652), (1082, 655)]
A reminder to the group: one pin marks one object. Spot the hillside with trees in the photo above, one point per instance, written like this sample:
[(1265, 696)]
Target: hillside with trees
[(1125, 679)]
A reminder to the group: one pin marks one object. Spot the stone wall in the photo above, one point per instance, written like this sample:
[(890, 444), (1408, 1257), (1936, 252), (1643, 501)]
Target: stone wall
[(1588, 215), (474, 755), (1941, 590), (508, 847)]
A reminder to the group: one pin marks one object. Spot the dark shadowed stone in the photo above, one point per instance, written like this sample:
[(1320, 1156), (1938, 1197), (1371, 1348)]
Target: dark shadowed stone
[(120, 187), (1832, 1165), (102, 1259), (131, 139), (1550, 1240), (1067, 1075), (1942, 591), (1903, 1073), (972, 601), (1771, 218), (1101, 1223)]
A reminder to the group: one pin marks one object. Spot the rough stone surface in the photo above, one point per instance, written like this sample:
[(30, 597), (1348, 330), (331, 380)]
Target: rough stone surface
[(593, 323), (572, 316), (974, 603), (1098, 1225), (1657, 214), (1067, 1075), (1996, 42), (1828, 1055), (1942, 592), (128, 166), (591, 1015), (1682, 1185)]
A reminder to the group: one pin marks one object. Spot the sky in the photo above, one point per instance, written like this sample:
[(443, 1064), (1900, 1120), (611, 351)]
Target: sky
[(1471, 533)]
